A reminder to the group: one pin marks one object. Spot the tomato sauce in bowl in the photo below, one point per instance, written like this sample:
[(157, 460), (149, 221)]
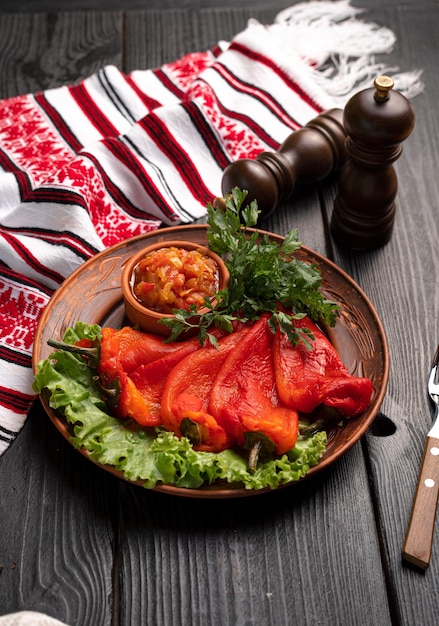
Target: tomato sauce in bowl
[(175, 278), (167, 276)]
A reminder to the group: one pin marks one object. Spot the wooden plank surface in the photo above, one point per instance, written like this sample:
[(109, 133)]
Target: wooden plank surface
[(40, 51), (57, 517), (37, 6), (82, 546)]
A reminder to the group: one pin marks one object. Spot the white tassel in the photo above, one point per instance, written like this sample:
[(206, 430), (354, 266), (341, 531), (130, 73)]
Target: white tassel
[(409, 83), (339, 49), (307, 12)]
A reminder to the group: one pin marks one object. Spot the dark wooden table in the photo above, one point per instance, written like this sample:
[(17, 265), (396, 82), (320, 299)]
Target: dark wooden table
[(91, 550)]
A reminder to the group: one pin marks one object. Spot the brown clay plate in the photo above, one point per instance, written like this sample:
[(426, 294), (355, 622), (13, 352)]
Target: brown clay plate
[(92, 294)]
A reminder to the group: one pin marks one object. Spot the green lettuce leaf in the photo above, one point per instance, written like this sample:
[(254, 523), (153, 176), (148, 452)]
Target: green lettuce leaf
[(152, 456)]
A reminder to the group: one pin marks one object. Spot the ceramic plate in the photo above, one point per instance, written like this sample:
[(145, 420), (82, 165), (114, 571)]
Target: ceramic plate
[(92, 294)]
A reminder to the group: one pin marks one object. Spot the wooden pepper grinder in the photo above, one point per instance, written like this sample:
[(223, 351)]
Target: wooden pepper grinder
[(376, 120), (309, 154)]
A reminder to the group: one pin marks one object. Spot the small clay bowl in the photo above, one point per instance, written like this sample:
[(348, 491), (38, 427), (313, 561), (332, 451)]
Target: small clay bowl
[(147, 319)]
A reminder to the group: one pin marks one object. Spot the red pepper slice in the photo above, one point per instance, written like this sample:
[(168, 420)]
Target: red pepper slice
[(126, 348), (132, 404), (142, 388), (122, 352), (306, 378), (244, 398), (185, 398)]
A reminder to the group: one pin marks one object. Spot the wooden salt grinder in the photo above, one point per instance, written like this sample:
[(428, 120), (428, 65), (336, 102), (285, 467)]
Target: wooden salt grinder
[(308, 154), (376, 120)]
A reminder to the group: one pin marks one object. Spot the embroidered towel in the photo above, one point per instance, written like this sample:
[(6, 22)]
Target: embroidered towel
[(83, 167)]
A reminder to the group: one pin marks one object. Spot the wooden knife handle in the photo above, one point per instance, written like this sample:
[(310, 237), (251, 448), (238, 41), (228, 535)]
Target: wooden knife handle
[(419, 538)]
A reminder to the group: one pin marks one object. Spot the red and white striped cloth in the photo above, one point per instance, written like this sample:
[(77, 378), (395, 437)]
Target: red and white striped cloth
[(83, 167)]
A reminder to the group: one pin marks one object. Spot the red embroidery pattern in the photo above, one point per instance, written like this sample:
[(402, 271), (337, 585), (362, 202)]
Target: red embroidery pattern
[(188, 68), (111, 223), (29, 140), (20, 312), (238, 141)]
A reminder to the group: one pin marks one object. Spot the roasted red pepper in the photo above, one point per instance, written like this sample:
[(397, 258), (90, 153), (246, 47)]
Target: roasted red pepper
[(248, 390), (307, 378), (126, 348), (244, 398), (185, 399), (141, 389), (126, 358)]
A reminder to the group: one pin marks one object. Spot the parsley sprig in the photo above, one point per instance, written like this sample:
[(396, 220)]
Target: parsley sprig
[(264, 277)]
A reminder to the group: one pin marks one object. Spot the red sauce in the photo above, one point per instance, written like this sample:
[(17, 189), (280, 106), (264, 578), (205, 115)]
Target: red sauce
[(175, 278)]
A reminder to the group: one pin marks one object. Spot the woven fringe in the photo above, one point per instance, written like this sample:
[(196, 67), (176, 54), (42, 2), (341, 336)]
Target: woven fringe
[(339, 48)]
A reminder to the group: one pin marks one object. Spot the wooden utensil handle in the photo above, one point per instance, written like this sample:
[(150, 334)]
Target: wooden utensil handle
[(419, 538)]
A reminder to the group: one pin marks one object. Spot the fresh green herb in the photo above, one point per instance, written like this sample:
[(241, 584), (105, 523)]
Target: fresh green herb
[(264, 277)]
